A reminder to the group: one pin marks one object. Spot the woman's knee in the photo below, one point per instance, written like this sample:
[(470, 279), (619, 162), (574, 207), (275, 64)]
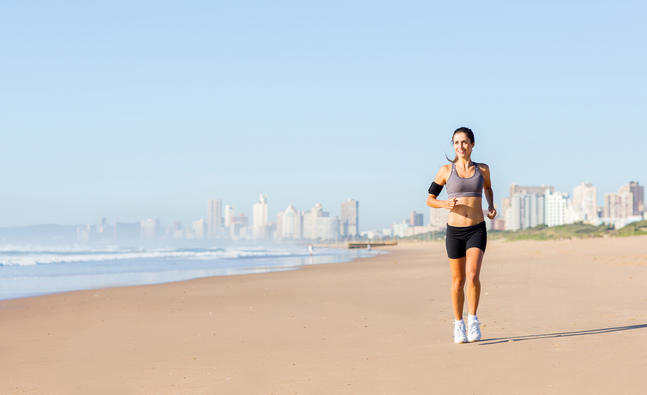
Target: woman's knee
[(458, 282), (473, 278)]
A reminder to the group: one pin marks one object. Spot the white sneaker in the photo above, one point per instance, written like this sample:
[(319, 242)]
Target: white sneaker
[(459, 332), (473, 330)]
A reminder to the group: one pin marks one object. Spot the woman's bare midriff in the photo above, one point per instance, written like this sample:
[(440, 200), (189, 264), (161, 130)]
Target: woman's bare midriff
[(467, 212)]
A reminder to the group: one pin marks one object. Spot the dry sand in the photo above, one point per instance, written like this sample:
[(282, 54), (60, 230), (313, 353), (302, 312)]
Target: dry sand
[(559, 317)]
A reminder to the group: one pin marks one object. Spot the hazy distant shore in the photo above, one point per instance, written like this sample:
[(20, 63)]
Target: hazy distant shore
[(559, 317)]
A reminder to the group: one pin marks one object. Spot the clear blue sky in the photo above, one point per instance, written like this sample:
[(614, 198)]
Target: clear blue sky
[(143, 109)]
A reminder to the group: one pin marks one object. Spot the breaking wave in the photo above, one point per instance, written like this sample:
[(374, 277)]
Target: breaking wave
[(33, 256)]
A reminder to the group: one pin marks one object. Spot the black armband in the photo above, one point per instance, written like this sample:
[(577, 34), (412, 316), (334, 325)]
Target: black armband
[(435, 189)]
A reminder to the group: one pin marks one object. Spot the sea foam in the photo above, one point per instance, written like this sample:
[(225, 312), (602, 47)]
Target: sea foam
[(11, 255)]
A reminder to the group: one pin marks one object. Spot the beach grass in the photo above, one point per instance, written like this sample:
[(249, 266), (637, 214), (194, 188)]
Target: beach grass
[(578, 230), (633, 229)]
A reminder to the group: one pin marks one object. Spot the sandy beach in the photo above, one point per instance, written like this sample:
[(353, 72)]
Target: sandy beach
[(558, 317)]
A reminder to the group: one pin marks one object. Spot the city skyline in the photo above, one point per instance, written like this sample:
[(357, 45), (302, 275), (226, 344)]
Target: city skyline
[(526, 206), (227, 211), (315, 224)]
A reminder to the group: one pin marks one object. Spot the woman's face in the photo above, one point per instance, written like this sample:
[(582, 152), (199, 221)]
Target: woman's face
[(462, 145)]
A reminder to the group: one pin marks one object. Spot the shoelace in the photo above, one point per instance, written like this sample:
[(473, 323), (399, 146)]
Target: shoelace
[(459, 329), (474, 327)]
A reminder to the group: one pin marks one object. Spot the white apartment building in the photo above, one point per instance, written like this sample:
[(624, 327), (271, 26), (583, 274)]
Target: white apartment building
[(349, 218), (402, 229), (198, 228), (319, 225), (149, 228), (326, 228), (585, 205), (372, 234), (557, 208), (229, 215), (309, 218), (289, 224), (260, 218), (525, 210), (214, 218), (512, 213)]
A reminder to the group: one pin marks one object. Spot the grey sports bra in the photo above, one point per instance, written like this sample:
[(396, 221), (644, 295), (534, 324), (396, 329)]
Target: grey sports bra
[(464, 187)]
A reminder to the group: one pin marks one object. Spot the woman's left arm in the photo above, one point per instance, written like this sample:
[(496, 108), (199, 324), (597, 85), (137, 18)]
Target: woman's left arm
[(489, 194)]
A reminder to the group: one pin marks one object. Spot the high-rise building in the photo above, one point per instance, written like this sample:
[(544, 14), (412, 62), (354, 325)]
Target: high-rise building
[(416, 219), (326, 228), (309, 221), (176, 230), (618, 205), (229, 215), (637, 196), (259, 218), (533, 209), (556, 208), (238, 227), (524, 208), (198, 228), (349, 220), (278, 234), (512, 213), (290, 224), (214, 218), (585, 202), (319, 225), (149, 228), (627, 202)]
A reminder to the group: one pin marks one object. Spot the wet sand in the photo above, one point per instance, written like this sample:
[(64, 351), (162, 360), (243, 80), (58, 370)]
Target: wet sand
[(558, 317)]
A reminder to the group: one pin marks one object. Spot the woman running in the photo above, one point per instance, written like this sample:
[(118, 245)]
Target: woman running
[(466, 235)]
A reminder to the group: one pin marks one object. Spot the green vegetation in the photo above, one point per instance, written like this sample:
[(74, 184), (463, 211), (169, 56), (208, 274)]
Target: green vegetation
[(577, 230), (633, 229)]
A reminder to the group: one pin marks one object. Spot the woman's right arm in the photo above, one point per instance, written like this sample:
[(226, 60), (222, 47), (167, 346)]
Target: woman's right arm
[(441, 179)]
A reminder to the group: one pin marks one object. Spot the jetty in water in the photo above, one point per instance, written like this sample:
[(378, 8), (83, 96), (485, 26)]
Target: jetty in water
[(370, 244)]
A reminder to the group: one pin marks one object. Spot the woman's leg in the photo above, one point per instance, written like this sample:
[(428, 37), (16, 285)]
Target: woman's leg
[(472, 266), (458, 283)]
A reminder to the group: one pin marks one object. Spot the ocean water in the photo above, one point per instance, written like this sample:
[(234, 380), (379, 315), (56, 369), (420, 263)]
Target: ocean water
[(30, 271)]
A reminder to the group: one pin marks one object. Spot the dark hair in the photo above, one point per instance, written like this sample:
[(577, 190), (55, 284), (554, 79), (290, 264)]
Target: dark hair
[(468, 132)]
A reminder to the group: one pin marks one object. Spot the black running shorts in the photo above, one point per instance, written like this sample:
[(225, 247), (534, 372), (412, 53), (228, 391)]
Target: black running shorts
[(459, 239)]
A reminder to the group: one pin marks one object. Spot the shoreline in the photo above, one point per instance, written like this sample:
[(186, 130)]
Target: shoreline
[(78, 275), (379, 325)]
